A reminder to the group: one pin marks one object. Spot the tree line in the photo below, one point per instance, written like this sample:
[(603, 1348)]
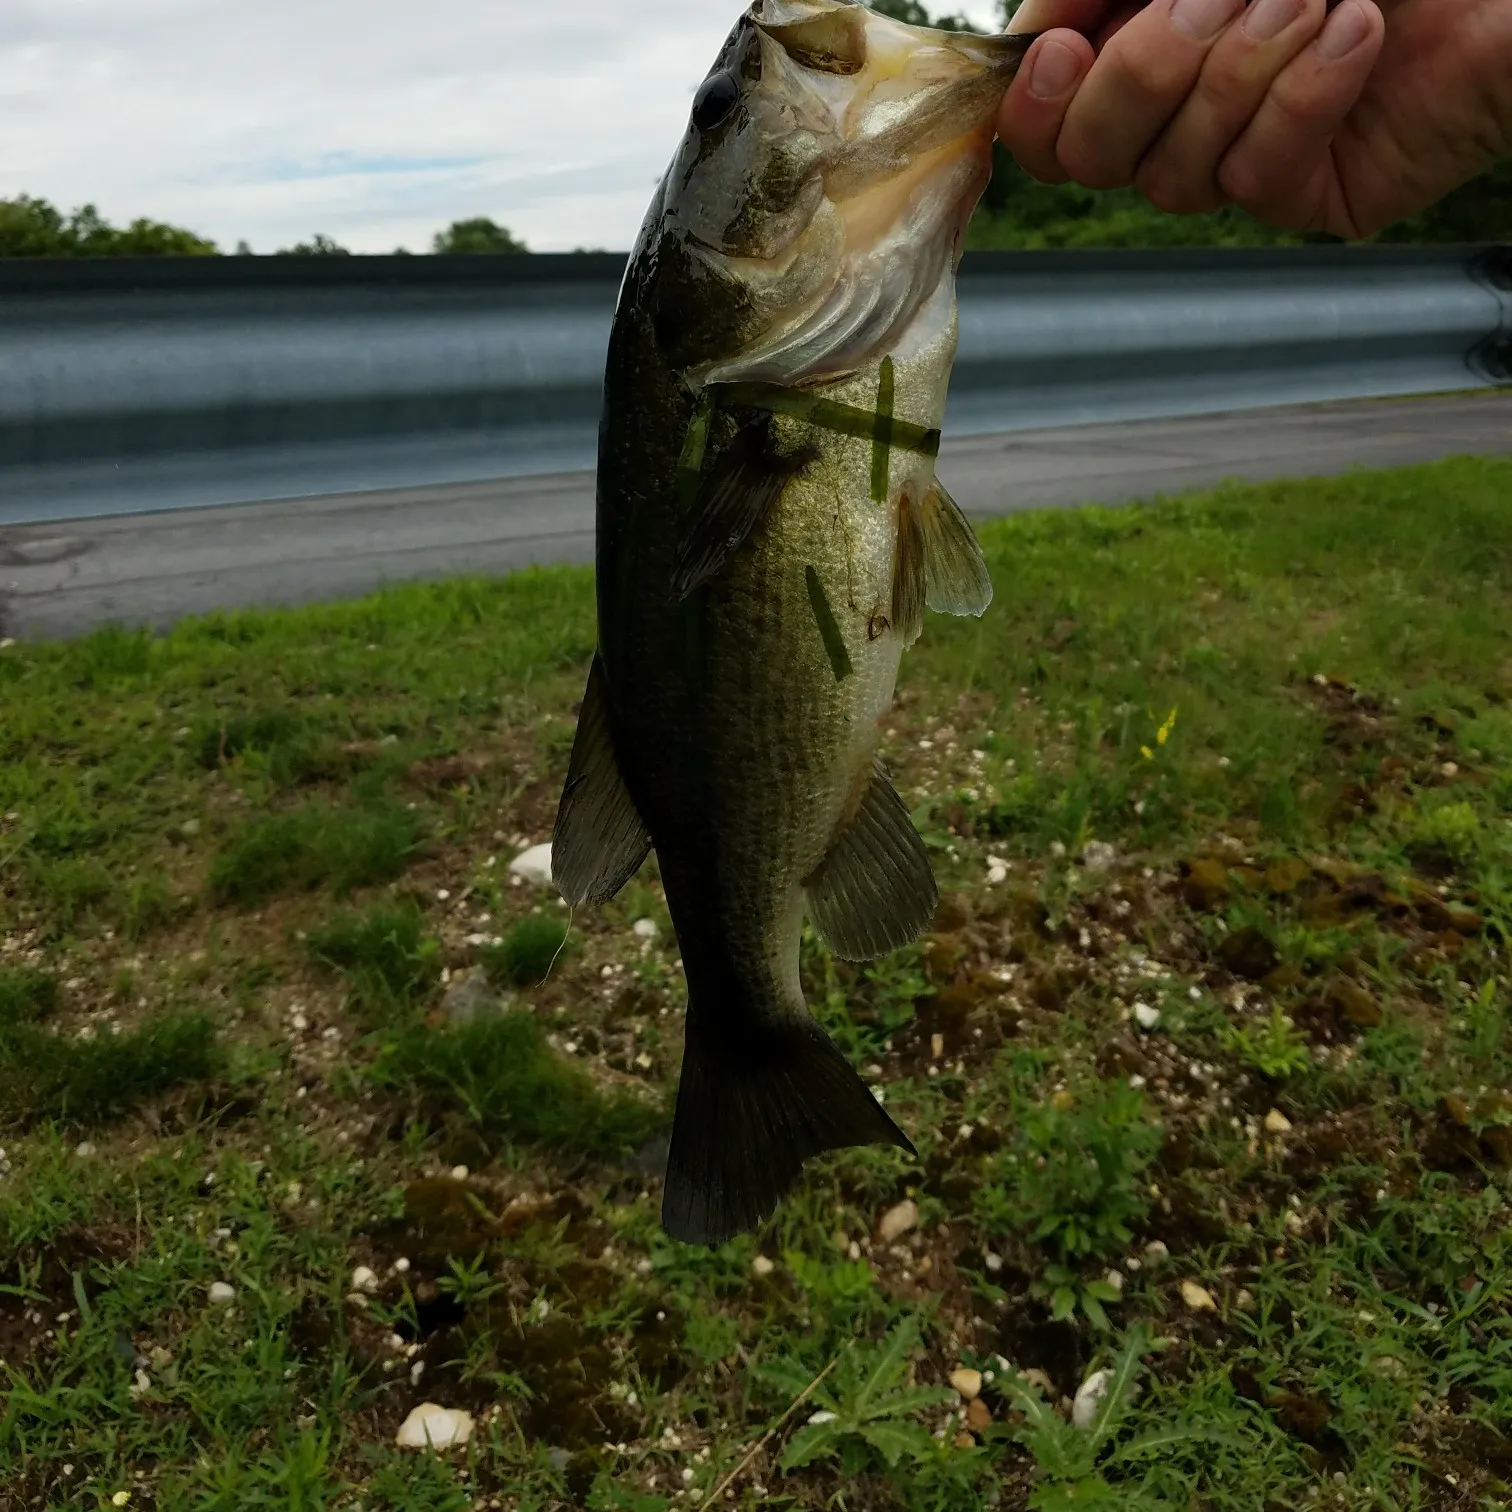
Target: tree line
[(32, 227)]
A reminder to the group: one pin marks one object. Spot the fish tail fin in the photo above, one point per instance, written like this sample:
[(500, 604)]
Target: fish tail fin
[(750, 1111)]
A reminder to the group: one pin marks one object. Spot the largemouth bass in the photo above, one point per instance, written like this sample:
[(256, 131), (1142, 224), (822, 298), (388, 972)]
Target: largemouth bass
[(770, 530)]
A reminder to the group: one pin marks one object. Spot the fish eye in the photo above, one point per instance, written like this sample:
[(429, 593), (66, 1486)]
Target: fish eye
[(716, 98)]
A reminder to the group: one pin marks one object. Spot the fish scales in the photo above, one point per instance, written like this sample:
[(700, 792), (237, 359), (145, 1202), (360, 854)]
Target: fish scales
[(769, 527)]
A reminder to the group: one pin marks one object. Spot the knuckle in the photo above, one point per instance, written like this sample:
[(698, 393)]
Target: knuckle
[(1149, 77), (1229, 92), (1239, 180), (1101, 176), (1174, 192), (1083, 163), (1280, 204), (1304, 109)]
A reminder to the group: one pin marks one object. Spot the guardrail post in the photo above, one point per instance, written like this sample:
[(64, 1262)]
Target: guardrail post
[(1493, 356)]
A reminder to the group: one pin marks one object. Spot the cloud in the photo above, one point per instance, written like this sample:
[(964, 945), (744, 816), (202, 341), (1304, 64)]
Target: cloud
[(375, 122)]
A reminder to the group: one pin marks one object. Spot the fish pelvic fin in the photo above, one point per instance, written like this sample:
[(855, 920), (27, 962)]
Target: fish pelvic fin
[(599, 840), (741, 487), (751, 1108), (956, 579), (875, 890)]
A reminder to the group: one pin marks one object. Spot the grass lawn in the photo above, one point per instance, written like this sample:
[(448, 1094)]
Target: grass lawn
[(311, 1113)]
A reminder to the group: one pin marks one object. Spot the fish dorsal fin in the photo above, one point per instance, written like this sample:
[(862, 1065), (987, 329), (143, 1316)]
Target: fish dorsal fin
[(743, 484), (875, 890), (909, 572), (600, 840), (955, 575)]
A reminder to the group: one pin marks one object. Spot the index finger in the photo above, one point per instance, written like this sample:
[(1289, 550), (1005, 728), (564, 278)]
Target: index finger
[(1034, 108)]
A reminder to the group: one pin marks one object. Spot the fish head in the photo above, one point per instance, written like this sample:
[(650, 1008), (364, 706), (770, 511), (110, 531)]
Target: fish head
[(831, 161)]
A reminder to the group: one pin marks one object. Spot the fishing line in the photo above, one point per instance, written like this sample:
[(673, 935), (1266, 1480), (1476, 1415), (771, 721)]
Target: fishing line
[(566, 935)]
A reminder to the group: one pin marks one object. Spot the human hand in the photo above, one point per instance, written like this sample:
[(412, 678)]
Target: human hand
[(1339, 122)]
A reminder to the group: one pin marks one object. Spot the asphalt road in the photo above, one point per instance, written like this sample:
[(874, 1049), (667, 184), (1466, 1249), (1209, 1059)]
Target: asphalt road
[(62, 579)]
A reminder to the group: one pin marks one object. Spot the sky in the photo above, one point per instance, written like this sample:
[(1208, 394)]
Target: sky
[(376, 122)]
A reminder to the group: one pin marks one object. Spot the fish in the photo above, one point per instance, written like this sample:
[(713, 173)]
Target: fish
[(770, 531)]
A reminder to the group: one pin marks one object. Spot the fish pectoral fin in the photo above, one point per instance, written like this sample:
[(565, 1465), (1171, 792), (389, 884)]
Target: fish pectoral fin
[(875, 890), (754, 1102), (909, 572), (743, 484), (956, 576), (599, 841)]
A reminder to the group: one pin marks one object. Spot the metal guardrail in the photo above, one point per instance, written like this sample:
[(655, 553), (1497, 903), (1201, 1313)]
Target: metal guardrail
[(145, 384)]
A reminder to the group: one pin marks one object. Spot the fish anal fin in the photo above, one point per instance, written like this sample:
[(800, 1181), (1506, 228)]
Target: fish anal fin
[(956, 576), (875, 890), (599, 840), (751, 1109), (908, 574), (743, 483)]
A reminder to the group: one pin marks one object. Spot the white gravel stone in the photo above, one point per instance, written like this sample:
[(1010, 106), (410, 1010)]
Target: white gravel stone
[(1197, 1297), (364, 1279), (897, 1221), (1098, 855), (1156, 1251), (433, 1426), (821, 1416), (1276, 1122), (763, 1266), (222, 1294), (533, 865), (645, 929), (1146, 1017), (1089, 1397)]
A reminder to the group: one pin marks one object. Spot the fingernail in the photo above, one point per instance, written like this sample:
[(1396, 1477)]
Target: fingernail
[(1055, 68), (1269, 18), (1202, 19), (1346, 29)]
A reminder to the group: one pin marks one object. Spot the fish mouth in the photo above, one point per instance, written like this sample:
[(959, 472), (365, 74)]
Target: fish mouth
[(909, 152), (931, 100)]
